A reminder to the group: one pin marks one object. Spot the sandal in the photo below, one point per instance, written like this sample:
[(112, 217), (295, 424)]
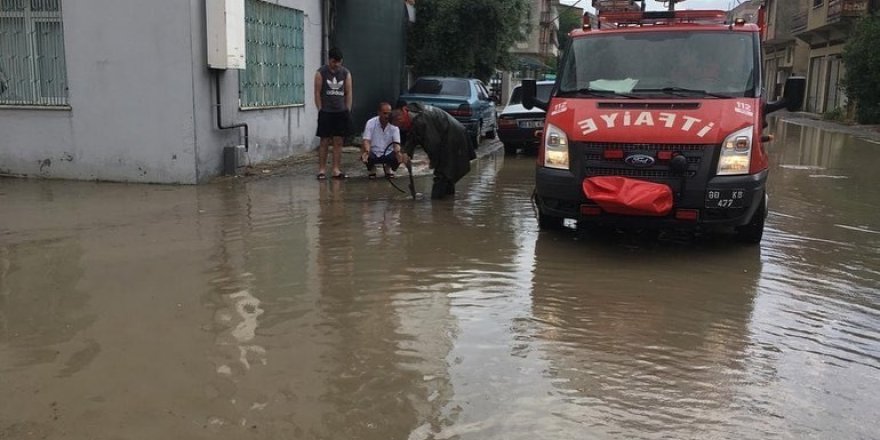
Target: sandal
[(322, 176), (341, 175)]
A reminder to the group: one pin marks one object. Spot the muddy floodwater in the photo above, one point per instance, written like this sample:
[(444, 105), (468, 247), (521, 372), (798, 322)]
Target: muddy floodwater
[(287, 308)]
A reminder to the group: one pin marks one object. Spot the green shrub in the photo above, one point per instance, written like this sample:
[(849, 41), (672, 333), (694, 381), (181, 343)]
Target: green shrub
[(838, 115), (862, 78)]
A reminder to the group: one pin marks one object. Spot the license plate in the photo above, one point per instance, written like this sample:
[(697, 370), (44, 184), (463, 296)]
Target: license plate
[(725, 198), (531, 124)]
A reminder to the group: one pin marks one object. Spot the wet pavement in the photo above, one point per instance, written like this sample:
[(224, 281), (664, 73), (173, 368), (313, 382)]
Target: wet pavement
[(284, 307)]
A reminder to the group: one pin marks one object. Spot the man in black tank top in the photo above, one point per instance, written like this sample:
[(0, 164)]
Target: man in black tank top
[(333, 98)]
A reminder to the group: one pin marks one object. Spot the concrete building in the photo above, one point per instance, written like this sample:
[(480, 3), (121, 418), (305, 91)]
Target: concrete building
[(532, 53), (747, 10), (122, 90), (784, 55), (542, 23), (824, 26)]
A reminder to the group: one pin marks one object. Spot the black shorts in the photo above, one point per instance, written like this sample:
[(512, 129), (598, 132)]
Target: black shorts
[(389, 159), (331, 124)]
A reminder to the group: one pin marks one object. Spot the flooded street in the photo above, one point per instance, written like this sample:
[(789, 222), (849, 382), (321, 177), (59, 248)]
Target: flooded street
[(286, 308)]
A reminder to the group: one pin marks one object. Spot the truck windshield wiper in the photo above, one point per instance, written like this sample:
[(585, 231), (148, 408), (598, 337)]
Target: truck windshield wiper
[(600, 92), (680, 91)]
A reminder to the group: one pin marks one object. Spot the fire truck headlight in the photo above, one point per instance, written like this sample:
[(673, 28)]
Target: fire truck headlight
[(736, 153), (555, 147)]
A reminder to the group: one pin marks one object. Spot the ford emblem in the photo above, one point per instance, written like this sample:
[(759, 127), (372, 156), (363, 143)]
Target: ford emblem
[(639, 160)]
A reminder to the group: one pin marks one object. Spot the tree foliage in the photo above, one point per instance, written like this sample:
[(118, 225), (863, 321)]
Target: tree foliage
[(569, 19), (862, 78), (465, 37)]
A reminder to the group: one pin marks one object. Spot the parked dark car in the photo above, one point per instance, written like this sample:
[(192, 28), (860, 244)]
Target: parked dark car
[(517, 126), (466, 99)]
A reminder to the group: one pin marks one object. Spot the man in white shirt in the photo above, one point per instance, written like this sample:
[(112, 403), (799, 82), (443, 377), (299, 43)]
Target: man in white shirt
[(381, 143)]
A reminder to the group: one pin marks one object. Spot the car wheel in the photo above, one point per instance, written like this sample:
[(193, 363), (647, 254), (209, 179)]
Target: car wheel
[(753, 232), (491, 134), (510, 149)]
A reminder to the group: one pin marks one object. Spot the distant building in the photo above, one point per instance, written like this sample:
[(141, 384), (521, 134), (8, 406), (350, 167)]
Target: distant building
[(747, 10), (534, 51), (784, 55), (821, 28)]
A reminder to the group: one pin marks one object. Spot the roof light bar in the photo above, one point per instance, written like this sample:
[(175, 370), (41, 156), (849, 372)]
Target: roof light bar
[(664, 17)]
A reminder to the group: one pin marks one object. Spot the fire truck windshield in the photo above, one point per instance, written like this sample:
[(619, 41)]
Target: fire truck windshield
[(668, 63)]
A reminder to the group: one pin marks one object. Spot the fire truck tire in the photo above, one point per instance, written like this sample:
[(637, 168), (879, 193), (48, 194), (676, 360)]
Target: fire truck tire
[(549, 222), (752, 232)]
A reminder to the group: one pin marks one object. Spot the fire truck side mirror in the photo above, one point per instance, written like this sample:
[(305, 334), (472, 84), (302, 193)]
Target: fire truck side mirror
[(792, 96), (530, 95)]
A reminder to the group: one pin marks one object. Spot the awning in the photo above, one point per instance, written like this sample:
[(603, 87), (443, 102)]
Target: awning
[(530, 62)]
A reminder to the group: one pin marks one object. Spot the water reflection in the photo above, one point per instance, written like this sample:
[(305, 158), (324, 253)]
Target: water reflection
[(805, 147), (645, 342), (41, 305), (289, 308), (824, 176)]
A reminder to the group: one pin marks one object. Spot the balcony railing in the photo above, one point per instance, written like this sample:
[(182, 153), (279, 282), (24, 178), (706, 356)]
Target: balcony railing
[(853, 8), (834, 8), (799, 22), (846, 8)]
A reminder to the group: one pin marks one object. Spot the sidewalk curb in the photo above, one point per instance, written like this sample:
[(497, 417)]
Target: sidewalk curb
[(869, 132), (305, 165)]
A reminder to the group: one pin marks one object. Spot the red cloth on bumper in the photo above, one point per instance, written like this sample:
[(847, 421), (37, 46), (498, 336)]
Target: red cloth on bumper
[(621, 195)]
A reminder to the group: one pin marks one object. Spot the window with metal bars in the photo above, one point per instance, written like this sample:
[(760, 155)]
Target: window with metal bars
[(32, 66), (275, 73)]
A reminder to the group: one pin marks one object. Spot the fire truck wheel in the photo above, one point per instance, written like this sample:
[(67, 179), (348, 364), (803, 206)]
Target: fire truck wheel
[(752, 232)]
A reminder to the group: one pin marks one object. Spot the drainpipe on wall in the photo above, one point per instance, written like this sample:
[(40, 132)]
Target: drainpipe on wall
[(231, 160), (325, 31)]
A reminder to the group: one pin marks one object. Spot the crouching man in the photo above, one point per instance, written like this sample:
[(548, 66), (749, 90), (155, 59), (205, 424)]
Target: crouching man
[(381, 143), (442, 137)]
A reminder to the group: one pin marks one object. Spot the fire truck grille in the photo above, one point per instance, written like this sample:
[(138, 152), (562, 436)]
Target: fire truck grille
[(597, 161), (633, 172)]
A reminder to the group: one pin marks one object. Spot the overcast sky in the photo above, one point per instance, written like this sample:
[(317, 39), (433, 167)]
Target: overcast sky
[(654, 5)]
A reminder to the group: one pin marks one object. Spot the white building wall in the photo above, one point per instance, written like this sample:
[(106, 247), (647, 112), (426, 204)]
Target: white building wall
[(274, 133), (141, 100)]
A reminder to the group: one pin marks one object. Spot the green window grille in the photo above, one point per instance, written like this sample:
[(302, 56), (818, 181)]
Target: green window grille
[(32, 66), (274, 74)]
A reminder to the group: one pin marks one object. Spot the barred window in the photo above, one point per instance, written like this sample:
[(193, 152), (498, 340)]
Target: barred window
[(32, 66), (274, 73)]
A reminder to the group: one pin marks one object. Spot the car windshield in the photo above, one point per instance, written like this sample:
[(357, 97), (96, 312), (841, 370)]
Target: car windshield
[(449, 87), (543, 94), (674, 64)]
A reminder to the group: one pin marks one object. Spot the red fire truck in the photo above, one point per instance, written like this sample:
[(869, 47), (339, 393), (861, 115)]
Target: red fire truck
[(656, 121)]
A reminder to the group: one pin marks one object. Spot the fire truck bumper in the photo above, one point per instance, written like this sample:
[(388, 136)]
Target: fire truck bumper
[(721, 202)]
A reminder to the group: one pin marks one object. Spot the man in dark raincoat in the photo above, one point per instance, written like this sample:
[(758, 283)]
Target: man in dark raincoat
[(443, 138)]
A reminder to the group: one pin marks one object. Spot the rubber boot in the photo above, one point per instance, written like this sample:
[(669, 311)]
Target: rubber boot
[(440, 188)]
